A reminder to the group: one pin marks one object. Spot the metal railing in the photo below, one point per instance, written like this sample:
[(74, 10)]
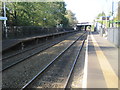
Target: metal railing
[(29, 31)]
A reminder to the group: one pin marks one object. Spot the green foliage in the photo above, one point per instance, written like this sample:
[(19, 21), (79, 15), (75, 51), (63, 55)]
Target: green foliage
[(71, 17), (44, 14), (100, 15)]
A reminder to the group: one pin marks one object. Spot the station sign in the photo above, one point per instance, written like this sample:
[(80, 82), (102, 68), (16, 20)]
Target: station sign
[(106, 17), (3, 18), (103, 18)]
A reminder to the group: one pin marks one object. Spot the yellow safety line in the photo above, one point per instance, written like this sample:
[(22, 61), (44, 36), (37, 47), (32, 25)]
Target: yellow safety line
[(111, 78)]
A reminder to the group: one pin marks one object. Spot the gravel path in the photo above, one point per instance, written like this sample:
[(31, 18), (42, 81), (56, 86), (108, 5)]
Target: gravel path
[(21, 73), (56, 75)]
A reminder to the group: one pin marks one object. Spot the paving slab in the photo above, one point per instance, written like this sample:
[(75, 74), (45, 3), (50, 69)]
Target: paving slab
[(102, 70)]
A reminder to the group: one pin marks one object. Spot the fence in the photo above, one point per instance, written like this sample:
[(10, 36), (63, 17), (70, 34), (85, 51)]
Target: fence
[(28, 31), (114, 36)]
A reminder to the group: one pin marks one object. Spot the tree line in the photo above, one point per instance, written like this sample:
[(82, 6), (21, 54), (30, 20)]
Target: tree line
[(44, 14)]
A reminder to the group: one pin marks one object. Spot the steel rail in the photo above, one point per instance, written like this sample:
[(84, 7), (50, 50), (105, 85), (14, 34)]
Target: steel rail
[(26, 50), (21, 60), (74, 63), (22, 51), (45, 68)]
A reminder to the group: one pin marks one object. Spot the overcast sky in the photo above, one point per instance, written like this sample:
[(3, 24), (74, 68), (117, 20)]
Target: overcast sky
[(87, 10)]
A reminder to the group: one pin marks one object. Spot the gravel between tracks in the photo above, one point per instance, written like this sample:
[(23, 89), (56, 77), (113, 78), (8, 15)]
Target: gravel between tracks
[(56, 75), (23, 55), (21, 73), (77, 75), (29, 45)]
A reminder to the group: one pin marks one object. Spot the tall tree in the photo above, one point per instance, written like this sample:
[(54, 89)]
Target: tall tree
[(46, 14), (71, 16)]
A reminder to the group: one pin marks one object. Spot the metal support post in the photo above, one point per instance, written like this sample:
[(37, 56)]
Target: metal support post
[(4, 8), (112, 14)]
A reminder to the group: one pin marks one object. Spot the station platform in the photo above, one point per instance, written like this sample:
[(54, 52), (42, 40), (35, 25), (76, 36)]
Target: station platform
[(8, 43), (101, 65)]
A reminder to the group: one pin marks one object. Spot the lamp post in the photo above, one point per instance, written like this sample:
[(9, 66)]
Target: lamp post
[(112, 13), (44, 19), (4, 8)]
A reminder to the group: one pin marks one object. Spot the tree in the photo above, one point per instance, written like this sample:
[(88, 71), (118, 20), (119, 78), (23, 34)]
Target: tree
[(99, 18), (71, 17), (44, 14)]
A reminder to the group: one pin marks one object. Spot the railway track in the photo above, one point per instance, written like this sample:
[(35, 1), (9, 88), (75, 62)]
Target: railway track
[(22, 73), (43, 74), (18, 57), (8, 55)]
